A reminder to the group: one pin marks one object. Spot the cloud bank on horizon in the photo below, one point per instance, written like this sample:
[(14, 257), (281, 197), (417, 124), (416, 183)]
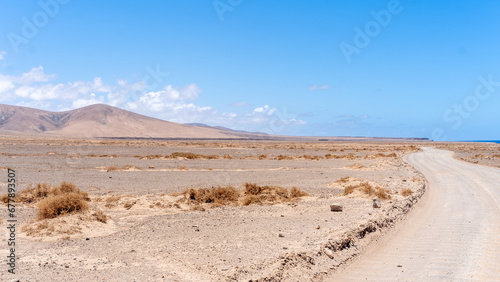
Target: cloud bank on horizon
[(36, 89)]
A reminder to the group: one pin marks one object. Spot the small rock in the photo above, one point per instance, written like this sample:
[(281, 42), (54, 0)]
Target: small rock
[(282, 215), (376, 203), (197, 230), (281, 235), (285, 248), (328, 253), (399, 265), (336, 207), (318, 227)]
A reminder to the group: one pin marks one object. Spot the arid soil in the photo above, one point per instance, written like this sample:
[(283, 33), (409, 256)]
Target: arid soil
[(154, 231), (476, 153)]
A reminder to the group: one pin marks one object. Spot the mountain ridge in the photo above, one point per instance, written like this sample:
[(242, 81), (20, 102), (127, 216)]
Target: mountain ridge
[(98, 120)]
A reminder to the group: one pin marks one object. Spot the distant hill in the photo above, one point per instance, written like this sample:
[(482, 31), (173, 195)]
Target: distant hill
[(224, 128), (99, 121)]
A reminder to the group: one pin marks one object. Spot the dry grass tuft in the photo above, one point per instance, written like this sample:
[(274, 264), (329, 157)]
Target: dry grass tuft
[(112, 201), (349, 189), (368, 189), (43, 190), (297, 193), (100, 216), (253, 194), (406, 192), (214, 195), (192, 156), (343, 180), (111, 168), (58, 205)]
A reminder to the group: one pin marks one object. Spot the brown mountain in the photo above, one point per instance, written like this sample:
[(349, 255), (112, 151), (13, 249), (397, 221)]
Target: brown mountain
[(98, 121)]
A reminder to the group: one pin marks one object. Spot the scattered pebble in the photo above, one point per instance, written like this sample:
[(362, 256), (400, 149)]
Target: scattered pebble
[(336, 207), (318, 227), (281, 235)]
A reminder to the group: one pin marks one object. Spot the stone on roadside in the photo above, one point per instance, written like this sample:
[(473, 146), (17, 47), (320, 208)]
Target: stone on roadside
[(336, 207), (328, 253), (376, 203)]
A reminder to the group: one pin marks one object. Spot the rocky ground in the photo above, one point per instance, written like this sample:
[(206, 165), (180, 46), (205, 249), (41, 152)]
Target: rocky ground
[(152, 232)]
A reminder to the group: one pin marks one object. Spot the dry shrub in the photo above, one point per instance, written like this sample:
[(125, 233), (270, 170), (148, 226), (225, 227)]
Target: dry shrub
[(349, 189), (112, 201), (100, 216), (111, 168), (129, 205), (356, 166), (214, 195), (255, 194), (191, 156), (43, 190), (283, 157), (297, 193), (313, 158), (368, 189), (55, 206), (382, 193), (343, 180), (381, 155), (406, 192)]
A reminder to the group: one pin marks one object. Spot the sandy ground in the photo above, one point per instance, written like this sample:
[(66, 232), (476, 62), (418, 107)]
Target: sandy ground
[(452, 235), (477, 153), (153, 234)]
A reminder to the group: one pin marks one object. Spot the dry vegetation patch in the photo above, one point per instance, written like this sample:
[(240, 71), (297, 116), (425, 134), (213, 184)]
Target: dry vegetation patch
[(60, 209), (58, 205), (42, 190), (406, 192), (253, 194), (359, 187)]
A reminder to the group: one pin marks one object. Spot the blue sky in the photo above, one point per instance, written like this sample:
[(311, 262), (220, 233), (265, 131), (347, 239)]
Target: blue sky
[(324, 68)]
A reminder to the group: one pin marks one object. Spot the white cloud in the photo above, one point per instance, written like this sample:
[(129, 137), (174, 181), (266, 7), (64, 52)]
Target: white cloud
[(265, 110), (36, 75), (38, 89), (2, 55), (315, 87)]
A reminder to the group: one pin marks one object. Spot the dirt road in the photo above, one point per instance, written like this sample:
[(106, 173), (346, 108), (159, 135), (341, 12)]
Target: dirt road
[(453, 235)]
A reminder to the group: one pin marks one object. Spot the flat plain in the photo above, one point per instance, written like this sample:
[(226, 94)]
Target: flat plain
[(146, 219)]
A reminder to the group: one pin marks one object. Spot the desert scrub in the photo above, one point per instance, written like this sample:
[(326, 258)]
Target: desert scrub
[(406, 192), (369, 190), (100, 216), (215, 195), (190, 156), (58, 205), (42, 190), (255, 194)]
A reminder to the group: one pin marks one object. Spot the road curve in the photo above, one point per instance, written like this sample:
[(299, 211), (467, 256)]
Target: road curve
[(452, 235)]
